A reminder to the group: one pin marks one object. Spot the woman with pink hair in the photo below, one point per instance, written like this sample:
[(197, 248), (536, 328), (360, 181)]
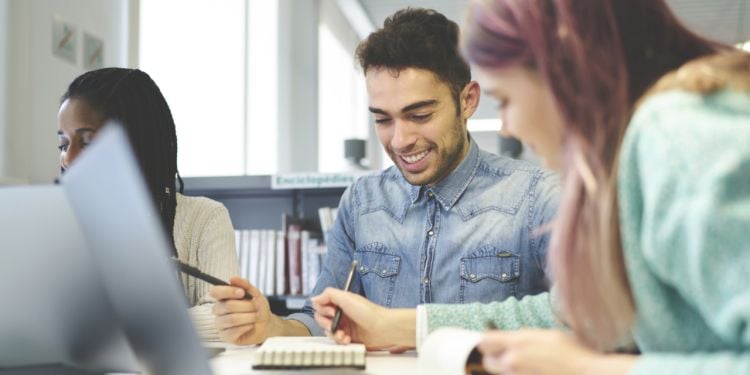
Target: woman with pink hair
[(649, 125)]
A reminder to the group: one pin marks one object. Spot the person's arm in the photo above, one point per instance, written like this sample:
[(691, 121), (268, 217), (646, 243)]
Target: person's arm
[(687, 172), (216, 255), (531, 311)]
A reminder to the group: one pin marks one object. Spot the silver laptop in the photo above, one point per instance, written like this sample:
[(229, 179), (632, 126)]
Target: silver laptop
[(55, 313), (131, 251), (86, 268)]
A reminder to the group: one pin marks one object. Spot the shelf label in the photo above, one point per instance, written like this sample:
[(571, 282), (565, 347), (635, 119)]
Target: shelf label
[(314, 180)]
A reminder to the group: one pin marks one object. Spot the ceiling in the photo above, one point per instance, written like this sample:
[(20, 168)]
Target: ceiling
[(723, 20)]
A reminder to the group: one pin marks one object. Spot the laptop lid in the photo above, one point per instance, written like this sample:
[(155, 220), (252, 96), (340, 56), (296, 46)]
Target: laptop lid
[(54, 311), (130, 248)]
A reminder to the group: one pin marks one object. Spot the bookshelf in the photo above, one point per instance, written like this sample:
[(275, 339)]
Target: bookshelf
[(253, 204)]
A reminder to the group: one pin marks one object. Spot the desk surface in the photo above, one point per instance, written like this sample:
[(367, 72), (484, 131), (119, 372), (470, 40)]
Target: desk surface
[(239, 361)]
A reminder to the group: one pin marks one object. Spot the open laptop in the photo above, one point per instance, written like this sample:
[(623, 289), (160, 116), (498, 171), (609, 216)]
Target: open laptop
[(85, 275), (131, 251), (55, 316)]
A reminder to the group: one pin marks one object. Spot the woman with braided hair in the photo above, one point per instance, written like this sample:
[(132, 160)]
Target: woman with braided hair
[(200, 228)]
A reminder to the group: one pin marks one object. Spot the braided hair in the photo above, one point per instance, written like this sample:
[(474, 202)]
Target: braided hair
[(131, 97)]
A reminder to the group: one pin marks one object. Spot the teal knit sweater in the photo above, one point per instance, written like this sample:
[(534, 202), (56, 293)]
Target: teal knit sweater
[(684, 194)]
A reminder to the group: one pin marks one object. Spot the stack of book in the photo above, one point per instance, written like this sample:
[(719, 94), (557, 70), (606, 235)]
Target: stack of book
[(284, 262)]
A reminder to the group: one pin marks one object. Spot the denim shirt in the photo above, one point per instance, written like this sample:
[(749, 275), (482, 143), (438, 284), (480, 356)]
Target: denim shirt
[(476, 236)]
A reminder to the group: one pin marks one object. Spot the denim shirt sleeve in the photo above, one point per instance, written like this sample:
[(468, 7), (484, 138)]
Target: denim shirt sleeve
[(544, 208), (340, 249)]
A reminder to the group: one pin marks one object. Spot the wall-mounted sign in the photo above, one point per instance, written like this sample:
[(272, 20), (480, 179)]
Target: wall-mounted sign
[(314, 180)]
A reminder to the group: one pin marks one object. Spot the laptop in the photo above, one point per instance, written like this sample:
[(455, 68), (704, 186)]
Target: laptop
[(131, 252), (85, 273), (55, 313)]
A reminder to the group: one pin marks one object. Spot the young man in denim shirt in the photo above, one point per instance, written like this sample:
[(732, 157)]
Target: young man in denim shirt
[(448, 223)]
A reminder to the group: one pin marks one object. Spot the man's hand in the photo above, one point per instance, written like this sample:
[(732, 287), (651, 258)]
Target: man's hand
[(363, 321)]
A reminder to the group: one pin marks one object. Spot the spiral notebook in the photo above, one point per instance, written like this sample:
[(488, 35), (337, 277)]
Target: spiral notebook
[(307, 352)]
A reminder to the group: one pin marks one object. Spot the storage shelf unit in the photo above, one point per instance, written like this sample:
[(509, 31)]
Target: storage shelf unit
[(252, 204)]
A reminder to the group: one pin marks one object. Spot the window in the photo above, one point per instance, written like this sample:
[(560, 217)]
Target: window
[(342, 100), (221, 93)]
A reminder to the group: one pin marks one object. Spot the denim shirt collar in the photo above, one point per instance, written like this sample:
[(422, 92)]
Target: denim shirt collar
[(450, 188)]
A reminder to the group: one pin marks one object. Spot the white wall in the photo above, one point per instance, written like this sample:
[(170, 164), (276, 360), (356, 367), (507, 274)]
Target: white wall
[(37, 79)]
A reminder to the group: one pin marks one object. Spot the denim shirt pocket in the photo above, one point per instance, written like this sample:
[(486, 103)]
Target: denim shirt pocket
[(377, 268), (489, 275)]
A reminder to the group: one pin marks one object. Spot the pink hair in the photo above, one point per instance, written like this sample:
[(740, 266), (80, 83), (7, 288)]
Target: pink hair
[(598, 57)]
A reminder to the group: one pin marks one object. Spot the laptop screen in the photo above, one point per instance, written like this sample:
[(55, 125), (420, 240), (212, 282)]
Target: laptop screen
[(55, 310), (130, 249)]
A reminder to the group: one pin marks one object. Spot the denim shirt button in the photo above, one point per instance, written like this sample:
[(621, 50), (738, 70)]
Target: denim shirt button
[(383, 272), (362, 268), (504, 276), (426, 281), (429, 233), (473, 276)]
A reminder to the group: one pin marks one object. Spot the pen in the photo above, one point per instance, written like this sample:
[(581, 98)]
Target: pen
[(192, 271), (347, 287)]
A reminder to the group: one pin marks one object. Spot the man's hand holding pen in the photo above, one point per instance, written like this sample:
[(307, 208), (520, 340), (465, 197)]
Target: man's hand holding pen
[(360, 320)]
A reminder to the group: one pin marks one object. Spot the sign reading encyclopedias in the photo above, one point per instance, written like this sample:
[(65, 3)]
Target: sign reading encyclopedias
[(314, 180)]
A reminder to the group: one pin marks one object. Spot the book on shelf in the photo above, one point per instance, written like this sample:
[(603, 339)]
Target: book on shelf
[(294, 234), (281, 267), (284, 262), (269, 248), (313, 256), (253, 263), (261, 274)]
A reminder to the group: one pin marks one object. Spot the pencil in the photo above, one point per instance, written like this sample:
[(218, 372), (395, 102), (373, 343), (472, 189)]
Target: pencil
[(347, 287), (198, 274)]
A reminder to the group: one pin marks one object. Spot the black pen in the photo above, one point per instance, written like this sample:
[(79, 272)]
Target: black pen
[(347, 287), (192, 271)]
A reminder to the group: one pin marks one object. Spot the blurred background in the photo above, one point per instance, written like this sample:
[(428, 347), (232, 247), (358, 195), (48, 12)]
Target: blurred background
[(256, 87)]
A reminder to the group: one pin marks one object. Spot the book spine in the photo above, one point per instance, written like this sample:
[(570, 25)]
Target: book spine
[(295, 263), (281, 263), (270, 282)]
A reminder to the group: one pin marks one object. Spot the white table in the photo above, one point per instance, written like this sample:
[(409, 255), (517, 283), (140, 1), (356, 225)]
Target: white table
[(238, 360)]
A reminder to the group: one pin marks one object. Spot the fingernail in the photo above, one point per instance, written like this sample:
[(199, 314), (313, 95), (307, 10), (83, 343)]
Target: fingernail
[(239, 292)]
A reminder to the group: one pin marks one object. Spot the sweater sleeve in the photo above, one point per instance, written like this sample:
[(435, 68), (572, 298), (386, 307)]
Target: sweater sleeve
[(217, 256), (696, 217), (531, 311), (217, 253)]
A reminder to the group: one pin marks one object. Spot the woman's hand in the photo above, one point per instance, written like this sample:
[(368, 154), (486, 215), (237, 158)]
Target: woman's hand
[(363, 321), (533, 351)]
